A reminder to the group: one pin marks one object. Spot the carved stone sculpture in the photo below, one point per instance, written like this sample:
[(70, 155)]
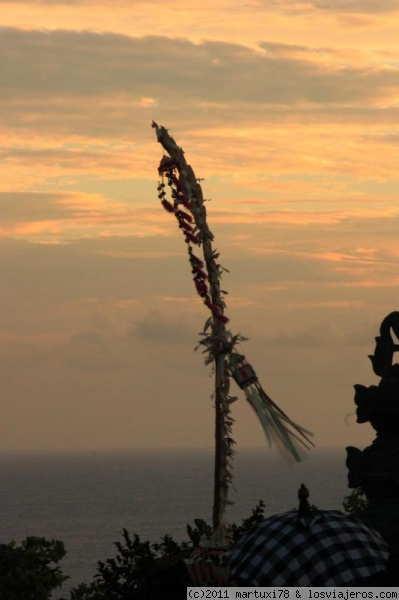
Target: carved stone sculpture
[(376, 468)]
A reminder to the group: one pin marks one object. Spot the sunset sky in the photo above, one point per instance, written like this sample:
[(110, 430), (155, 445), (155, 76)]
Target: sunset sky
[(289, 110)]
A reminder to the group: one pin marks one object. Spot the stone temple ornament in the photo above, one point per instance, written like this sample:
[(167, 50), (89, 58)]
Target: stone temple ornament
[(376, 468)]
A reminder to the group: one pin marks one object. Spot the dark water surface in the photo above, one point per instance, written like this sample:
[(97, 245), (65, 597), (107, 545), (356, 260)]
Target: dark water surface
[(86, 499)]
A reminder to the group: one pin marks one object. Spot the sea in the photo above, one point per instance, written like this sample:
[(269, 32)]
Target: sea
[(86, 498)]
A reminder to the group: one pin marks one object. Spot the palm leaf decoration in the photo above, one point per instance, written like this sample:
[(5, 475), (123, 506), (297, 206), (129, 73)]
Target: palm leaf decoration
[(218, 343)]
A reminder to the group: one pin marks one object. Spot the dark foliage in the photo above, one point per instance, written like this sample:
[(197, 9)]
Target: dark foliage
[(356, 503), (30, 571), (140, 571), (149, 571)]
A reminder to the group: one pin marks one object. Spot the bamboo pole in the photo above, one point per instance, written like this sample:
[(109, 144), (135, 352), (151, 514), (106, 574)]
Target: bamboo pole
[(191, 190), (220, 344)]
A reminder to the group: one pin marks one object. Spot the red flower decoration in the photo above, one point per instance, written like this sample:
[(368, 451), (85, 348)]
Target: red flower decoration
[(185, 225), (201, 286), (191, 237), (168, 206), (185, 216), (166, 164), (200, 273), (196, 260), (221, 317)]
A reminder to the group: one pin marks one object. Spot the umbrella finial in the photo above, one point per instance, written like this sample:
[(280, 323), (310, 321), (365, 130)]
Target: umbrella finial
[(303, 495)]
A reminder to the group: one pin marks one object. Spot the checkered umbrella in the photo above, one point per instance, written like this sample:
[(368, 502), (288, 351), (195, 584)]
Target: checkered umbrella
[(319, 548)]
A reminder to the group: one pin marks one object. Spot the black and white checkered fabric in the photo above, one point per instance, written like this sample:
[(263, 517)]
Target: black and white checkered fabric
[(330, 549)]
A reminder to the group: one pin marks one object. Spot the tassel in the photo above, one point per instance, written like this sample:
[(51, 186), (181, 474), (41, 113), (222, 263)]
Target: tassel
[(168, 206), (278, 428)]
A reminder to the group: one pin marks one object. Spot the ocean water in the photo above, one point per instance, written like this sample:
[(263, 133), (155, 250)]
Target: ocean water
[(86, 499)]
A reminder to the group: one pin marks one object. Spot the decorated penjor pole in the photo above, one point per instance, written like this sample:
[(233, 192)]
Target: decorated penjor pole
[(186, 203)]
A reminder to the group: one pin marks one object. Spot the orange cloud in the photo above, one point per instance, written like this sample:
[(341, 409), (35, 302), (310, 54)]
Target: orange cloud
[(298, 22), (325, 304), (378, 282), (295, 130), (334, 257), (31, 229)]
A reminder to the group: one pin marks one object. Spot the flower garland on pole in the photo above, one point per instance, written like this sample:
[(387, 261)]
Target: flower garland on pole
[(187, 205)]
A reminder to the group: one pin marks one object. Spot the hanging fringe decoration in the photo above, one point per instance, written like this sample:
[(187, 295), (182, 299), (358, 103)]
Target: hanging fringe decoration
[(278, 428), (284, 431)]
